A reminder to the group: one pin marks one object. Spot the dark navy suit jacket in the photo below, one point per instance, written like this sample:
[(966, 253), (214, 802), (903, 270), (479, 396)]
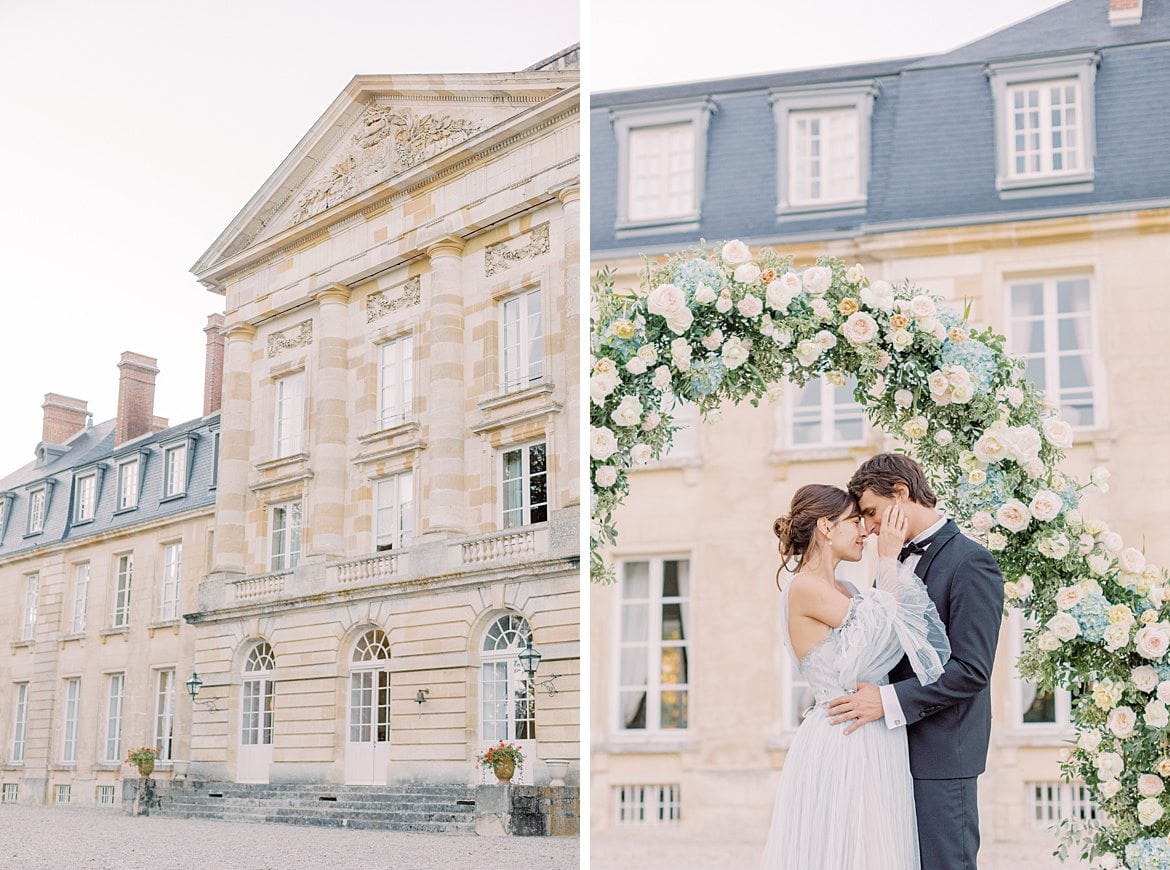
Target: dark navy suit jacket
[(949, 721)]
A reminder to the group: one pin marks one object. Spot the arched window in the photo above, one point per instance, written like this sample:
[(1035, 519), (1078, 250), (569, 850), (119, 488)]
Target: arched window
[(258, 697), (369, 709), (509, 711)]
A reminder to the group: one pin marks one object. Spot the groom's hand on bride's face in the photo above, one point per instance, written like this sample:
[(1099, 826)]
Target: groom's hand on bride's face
[(860, 708)]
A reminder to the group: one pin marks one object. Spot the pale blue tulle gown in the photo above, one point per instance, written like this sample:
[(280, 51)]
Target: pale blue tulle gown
[(846, 802)]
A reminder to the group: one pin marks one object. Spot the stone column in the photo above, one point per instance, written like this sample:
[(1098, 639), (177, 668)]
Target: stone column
[(569, 465), (325, 515), (235, 447), (444, 500)]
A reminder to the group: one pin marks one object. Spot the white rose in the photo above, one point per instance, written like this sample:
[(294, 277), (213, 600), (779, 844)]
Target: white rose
[(817, 279), (1109, 788), (1013, 516), (921, 307), (1074, 519), (1109, 765), (1069, 597), (961, 394), (605, 476), (734, 353), (879, 295), (855, 273), (680, 322), (981, 522), (943, 437), (1164, 691), (1064, 626), (1122, 721), (651, 420), (1099, 563), (879, 388), (1054, 546), (782, 336), (636, 365), (1034, 468), (915, 428), (1014, 396), (1046, 505), (1152, 641), (977, 477), (901, 339), (821, 309), (1058, 432), (628, 412), (750, 306), (860, 328), (713, 340), (1100, 478), (826, 339), (1132, 561), (748, 273), (602, 443), (680, 354), (938, 382), (1022, 442), (1149, 811), (661, 378), (666, 300), (735, 252), (990, 448), (1113, 542), (1116, 637), (1095, 527), (704, 295), (883, 360), (903, 398), (1145, 678), (996, 542), (640, 454), (1091, 586), (1025, 586), (1150, 785), (808, 351), (1048, 642), (1108, 861), (780, 293), (1157, 716), (1089, 741), (723, 303)]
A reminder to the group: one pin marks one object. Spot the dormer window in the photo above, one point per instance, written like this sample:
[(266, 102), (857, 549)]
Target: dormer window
[(36, 511), (175, 470), (85, 497), (128, 484)]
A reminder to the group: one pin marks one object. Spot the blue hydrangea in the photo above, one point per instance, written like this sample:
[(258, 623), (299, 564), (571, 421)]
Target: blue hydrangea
[(973, 355), (1070, 496), (949, 317), (986, 496), (706, 375), (1151, 853), (1092, 615), (690, 274)]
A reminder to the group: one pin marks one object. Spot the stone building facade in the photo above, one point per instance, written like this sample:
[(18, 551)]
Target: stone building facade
[(909, 168), (398, 497)]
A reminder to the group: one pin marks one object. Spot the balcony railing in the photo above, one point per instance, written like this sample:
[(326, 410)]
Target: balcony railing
[(383, 566), (258, 586), (524, 543)]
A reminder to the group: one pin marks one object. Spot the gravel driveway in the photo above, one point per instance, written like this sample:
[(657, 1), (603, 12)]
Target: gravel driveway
[(55, 838)]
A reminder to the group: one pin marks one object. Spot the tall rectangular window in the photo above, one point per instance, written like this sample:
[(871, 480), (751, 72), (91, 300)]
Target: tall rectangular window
[(69, 738), (175, 470), (395, 511), (290, 414), (1033, 709), (1045, 128), (525, 486), (821, 414), (172, 569), (286, 535), (648, 804), (522, 340), (32, 597), (1053, 329), (19, 722), (824, 156), (395, 381), (661, 171), (653, 646), (84, 504), (128, 484), (123, 581), (36, 511), (164, 714), (215, 458), (116, 687), (80, 598)]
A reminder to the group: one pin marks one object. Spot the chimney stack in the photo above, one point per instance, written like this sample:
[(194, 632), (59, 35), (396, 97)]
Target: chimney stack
[(1125, 12), (213, 367), (135, 396), (64, 418)]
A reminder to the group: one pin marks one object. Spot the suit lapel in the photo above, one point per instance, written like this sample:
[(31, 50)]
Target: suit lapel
[(948, 531)]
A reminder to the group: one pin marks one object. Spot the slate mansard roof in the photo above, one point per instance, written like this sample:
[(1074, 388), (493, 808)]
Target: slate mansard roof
[(932, 137), (94, 448)]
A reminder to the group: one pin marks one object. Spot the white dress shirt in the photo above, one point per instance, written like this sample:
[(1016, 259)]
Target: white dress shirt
[(895, 718)]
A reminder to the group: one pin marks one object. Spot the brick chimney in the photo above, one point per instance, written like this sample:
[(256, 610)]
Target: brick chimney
[(135, 396), (213, 367), (64, 418), (1125, 12)]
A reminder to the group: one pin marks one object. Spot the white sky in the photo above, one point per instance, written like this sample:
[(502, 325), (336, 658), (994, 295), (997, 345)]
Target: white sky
[(133, 132), (644, 42)]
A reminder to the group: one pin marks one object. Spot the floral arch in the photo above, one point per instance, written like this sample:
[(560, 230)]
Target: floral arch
[(710, 326)]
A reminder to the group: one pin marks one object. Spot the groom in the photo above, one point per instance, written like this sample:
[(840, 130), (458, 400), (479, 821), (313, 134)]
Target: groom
[(948, 722)]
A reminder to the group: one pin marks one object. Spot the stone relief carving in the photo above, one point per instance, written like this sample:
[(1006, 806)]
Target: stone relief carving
[(504, 255), (387, 141), (377, 305), (295, 336)]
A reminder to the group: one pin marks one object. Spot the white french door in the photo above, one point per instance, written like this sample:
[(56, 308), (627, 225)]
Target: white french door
[(256, 731), (367, 752)]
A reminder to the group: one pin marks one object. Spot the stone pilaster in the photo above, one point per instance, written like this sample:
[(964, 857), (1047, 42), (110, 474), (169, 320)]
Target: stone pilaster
[(568, 465), (235, 445), (443, 509), (325, 512)]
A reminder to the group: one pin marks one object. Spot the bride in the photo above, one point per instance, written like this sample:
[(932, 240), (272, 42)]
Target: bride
[(846, 800)]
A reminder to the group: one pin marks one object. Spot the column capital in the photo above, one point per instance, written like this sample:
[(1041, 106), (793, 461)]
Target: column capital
[(448, 246), (240, 332), (569, 193), (334, 293)]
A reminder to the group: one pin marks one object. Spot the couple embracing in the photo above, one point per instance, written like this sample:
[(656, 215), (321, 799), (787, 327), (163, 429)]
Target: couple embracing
[(882, 772)]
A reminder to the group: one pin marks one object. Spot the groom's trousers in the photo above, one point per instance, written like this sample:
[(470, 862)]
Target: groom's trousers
[(948, 823)]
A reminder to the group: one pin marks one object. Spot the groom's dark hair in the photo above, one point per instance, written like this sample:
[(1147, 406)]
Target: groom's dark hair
[(880, 473)]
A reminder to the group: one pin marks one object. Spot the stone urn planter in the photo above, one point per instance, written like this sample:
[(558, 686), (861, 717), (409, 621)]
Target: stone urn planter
[(504, 768), (502, 759), (146, 767), (558, 769)]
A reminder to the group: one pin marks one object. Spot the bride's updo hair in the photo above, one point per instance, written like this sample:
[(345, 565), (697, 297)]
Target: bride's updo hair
[(797, 527)]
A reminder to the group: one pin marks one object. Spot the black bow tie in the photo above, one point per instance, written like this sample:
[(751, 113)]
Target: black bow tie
[(915, 549)]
